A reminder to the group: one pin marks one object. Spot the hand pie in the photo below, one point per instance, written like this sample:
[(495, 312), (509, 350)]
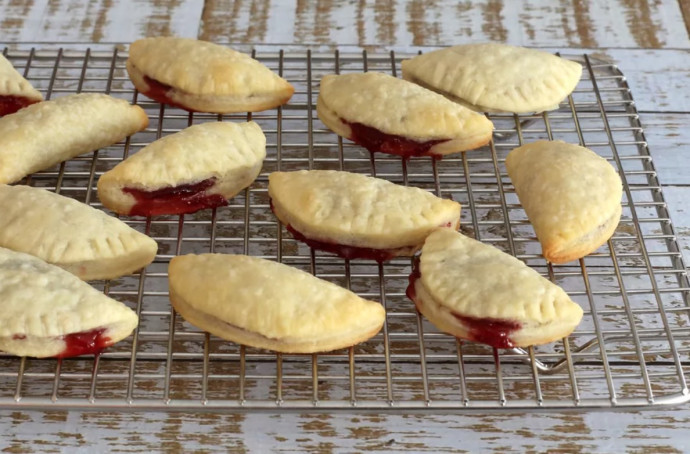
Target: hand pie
[(47, 312), (474, 291), (269, 305), (15, 91), (72, 235), (386, 114), (44, 134), (199, 167), (571, 196), (492, 77), (199, 76), (355, 216)]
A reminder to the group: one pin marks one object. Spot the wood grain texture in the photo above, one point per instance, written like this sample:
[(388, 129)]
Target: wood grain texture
[(565, 23), (313, 433)]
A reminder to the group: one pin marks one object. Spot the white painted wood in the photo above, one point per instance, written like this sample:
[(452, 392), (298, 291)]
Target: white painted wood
[(659, 81)]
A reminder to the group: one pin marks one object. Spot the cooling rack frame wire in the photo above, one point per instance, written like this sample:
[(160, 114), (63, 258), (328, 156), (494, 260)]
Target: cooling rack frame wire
[(630, 350)]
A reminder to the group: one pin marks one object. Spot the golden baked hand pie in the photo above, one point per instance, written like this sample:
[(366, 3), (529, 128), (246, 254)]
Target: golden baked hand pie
[(571, 196), (355, 216), (47, 312), (493, 77), (199, 167), (474, 291), (387, 114), (72, 235), (199, 76), (266, 304), (44, 134), (15, 91)]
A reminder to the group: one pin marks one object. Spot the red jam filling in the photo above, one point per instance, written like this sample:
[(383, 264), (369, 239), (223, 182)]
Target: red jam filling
[(182, 199), (10, 104), (84, 343), (490, 331), (375, 140), (158, 91), (345, 251)]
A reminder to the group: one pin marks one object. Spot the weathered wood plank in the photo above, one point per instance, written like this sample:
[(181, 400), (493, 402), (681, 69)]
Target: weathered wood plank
[(668, 137), (623, 23), (658, 79), (658, 431), (97, 21)]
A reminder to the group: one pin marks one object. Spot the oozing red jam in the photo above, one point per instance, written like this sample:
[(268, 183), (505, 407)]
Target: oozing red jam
[(182, 199), (375, 140), (159, 91), (9, 104), (84, 343), (490, 331)]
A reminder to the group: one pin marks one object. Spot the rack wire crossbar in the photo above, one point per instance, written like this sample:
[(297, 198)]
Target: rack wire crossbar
[(631, 349)]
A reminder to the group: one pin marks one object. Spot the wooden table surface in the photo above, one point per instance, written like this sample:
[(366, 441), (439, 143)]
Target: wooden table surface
[(647, 38)]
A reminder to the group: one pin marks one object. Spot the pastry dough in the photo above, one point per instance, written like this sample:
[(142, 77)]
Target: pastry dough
[(493, 77), (269, 305), (67, 233), (44, 134), (474, 291), (355, 210), (394, 107), (15, 91), (227, 156), (204, 77), (47, 312), (571, 196)]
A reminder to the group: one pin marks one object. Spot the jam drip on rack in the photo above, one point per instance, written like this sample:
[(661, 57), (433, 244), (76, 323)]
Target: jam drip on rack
[(158, 91), (182, 199), (9, 104), (84, 343), (491, 331), (375, 140)]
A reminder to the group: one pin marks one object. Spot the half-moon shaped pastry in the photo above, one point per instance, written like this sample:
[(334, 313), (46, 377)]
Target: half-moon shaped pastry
[(72, 235), (199, 167), (355, 216), (493, 77), (269, 305), (199, 76), (571, 196), (47, 312), (15, 91), (387, 114), (44, 134), (474, 291)]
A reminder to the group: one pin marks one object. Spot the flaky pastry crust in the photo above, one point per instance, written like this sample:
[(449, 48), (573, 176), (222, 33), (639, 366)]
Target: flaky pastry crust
[(355, 210), (13, 84), (232, 153), (41, 135), (269, 305), (72, 235), (571, 196), (472, 279), (40, 303), (494, 77), (400, 108), (206, 77)]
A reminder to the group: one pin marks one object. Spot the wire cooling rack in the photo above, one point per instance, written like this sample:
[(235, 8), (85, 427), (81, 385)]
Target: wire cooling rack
[(631, 349)]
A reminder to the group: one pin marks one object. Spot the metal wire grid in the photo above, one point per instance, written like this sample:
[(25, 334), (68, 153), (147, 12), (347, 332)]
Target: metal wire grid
[(630, 349)]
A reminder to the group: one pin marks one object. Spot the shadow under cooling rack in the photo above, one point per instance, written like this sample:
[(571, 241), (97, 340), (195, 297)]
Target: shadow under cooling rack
[(631, 348)]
